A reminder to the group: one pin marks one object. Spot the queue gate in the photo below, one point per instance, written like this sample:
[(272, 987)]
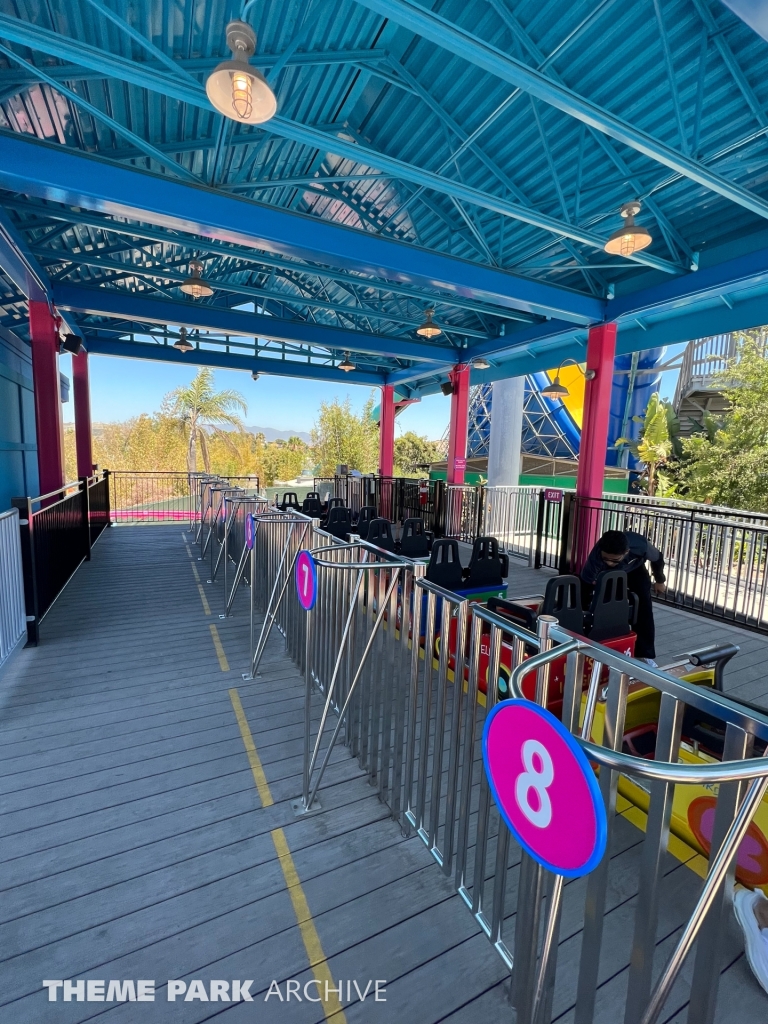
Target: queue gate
[(235, 547), (357, 646)]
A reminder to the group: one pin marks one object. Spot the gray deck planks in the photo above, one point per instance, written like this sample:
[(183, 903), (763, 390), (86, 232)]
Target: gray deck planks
[(134, 843)]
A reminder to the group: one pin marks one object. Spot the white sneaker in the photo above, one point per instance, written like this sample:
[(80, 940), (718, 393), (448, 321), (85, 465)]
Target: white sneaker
[(650, 661), (755, 938)]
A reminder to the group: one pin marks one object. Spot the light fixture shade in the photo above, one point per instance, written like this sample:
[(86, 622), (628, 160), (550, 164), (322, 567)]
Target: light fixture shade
[(555, 389), (183, 344), (630, 237), (347, 364), (236, 89), (255, 375), (428, 329), (480, 363), (194, 284)]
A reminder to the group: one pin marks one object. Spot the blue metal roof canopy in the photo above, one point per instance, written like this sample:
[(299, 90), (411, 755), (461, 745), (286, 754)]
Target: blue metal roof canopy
[(473, 160)]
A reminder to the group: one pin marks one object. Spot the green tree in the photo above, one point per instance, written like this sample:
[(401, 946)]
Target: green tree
[(727, 464), (655, 446), (204, 412), (340, 437), (413, 452)]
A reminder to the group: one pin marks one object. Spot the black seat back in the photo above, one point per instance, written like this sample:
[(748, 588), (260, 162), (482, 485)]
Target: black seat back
[(290, 500), (518, 613), (486, 566), (610, 613), (367, 514), (311, 506), (414, 542), (313, 494), (339, 522), (380, 534), (444, 567), (562, 599)]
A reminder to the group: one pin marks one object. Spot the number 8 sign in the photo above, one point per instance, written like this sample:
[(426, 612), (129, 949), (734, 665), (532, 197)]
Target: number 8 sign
[(545, 788), (306, 580)]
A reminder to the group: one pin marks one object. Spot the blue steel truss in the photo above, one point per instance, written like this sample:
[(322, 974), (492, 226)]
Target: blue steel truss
[(542, 434), (472, 160)]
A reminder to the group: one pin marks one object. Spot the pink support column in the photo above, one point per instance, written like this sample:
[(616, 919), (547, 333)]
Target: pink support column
[(387, 431), (457, 438), (45, 374), (601, 352), (82, 391)]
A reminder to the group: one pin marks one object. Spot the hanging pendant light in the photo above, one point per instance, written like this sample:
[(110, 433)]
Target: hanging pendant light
[(194, 284), (428, 329), (183, 344), (631, 237), (481, 363), (347, 364), (238, 90)]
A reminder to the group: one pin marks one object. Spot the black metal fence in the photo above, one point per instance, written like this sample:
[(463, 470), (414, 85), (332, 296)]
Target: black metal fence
[(57, 532), (396, 498), (715, 564)]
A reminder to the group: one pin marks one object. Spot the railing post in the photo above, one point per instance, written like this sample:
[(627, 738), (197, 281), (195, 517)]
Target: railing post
[(107, 485), (439, 508), (86, 516), (26, 527), (539, 530), (564, 556)]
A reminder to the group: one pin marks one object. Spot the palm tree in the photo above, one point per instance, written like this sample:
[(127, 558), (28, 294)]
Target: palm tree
[(205, 410)]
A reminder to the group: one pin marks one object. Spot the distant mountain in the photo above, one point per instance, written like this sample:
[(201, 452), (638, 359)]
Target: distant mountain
[(270, 434)]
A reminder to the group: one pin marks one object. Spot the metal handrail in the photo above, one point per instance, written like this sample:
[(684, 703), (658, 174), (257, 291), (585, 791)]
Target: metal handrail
[(737, 771)]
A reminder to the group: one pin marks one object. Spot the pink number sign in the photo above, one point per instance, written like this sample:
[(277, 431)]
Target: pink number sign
[(306, 580), (545, 788), (250, 531)]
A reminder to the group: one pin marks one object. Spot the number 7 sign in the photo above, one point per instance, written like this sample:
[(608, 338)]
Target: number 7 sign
[(306, 580), (545, 788)]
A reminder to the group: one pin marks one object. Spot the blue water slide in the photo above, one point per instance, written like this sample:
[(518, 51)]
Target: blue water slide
[(624, 406)]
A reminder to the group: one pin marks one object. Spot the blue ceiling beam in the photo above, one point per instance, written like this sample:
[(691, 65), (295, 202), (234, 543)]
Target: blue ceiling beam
[(228, 361), (425, 23), (113, 302), (708, 282), (49, 172)]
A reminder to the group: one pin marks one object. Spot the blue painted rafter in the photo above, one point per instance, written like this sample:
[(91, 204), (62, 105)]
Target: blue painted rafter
[(48, 172), (120, 303)]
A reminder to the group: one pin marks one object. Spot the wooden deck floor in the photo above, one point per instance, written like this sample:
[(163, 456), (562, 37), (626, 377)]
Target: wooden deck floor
[(135, 844)]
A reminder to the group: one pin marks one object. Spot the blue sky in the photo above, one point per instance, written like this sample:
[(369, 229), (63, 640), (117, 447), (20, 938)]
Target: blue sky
[(121, 388)]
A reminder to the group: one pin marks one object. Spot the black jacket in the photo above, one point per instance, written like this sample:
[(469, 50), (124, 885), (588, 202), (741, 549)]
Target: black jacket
[(640, 551)]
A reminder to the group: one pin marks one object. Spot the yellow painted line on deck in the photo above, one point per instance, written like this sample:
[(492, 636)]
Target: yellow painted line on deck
[(223, 663), (250, 748), (317, 959), (204, 599)]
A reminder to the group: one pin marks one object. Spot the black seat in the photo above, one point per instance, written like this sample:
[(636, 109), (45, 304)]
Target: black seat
[(613, 609), (339, 522), (486, 566), (520, 614), (290, 500), (444, 567), (380, 534), (311, 506), (562, 599), (414, 542), (367, 514)]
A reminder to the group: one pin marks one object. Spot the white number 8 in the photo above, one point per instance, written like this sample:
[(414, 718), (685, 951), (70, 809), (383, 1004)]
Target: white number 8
[(539, 781)]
